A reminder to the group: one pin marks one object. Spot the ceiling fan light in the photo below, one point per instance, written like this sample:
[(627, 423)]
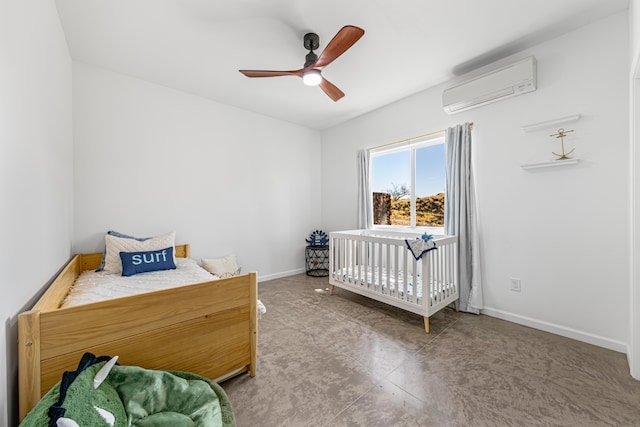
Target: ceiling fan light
[(312, 78)]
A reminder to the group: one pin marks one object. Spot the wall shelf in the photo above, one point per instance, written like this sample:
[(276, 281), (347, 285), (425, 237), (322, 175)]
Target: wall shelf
[(551, 163), (550, 123)]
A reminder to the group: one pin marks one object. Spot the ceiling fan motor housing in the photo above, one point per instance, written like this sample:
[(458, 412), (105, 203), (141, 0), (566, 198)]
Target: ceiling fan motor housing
[(311, 41)]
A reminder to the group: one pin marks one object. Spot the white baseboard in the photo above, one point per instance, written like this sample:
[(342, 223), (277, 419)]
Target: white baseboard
[(564, 331), (280, 275), (633, 364), (633, 355)]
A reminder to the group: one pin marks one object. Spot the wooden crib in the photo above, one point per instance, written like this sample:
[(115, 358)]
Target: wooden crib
[(379, 265)]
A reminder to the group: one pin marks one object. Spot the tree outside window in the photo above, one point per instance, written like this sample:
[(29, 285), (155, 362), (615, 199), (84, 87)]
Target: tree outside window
[(408, 184)]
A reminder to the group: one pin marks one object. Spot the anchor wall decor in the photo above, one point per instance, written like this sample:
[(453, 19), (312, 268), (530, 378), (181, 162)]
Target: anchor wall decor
[(561, 134)]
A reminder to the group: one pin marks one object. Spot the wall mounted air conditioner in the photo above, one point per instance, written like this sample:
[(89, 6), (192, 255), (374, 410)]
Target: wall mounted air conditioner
[(490, 86)]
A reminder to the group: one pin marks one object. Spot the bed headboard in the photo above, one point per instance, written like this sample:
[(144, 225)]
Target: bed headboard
[(92, 261)]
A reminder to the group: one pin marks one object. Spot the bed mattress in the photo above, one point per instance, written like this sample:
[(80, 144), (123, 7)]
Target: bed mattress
[(93, 286)]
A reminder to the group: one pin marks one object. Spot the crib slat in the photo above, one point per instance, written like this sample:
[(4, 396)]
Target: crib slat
[(447, 272), (376, 269), (415, 279), (426, 281), (449, 277), (387, 271), (438, 276), (365, 262), (394, 267), (396, 271), (355, 263), (442, 280), (434, 279)]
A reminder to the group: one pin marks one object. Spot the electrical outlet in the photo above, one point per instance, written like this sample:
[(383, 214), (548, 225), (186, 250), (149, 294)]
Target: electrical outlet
[(516, 284)]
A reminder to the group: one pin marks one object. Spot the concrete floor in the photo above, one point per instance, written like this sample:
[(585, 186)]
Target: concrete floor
[(345, 360)]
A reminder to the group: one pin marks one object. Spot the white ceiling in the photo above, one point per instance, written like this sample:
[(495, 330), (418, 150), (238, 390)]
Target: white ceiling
[(198, 46)]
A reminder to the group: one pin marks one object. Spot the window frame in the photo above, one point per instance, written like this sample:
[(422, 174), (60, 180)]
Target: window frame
[(410, 146)]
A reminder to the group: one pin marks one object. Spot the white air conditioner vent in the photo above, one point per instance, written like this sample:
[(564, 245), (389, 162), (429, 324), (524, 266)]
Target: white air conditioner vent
[(499, 83)]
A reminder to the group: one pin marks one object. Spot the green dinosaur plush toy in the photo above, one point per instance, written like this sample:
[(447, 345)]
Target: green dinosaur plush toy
[(101, 393)]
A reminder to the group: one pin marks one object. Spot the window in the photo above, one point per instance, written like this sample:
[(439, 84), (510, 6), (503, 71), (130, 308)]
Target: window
[(408, 184)]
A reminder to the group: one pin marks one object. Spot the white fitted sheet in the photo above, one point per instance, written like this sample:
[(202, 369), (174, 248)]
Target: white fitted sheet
[(93, 286)]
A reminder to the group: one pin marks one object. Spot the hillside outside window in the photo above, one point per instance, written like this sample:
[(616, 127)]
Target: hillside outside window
[(408, 184)]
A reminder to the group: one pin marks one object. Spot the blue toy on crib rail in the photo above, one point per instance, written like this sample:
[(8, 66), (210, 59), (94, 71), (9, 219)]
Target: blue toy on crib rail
[(426, 237), (318, 238)]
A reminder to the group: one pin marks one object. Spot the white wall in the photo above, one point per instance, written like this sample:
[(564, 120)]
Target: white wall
[(36, 168), (563, 231), (149, 159), (634, 335), (634, 30)]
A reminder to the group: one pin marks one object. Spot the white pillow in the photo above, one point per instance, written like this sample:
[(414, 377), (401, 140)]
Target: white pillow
[(115, 245), (222, 267)]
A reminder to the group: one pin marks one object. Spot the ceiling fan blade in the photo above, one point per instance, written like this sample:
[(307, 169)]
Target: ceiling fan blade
[(343, 40), (270, 73), (330, 89)]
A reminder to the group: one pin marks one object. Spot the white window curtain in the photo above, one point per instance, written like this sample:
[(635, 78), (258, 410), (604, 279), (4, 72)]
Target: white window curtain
[(461, 215), (365, 211)]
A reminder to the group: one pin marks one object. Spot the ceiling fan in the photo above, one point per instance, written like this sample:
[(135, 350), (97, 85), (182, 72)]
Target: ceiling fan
[(311, 71)]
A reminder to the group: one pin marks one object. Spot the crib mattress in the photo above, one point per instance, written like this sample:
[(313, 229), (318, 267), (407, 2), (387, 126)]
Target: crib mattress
[(372, 279)]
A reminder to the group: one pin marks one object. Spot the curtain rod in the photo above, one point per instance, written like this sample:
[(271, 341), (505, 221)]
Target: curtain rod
[(426, 135)]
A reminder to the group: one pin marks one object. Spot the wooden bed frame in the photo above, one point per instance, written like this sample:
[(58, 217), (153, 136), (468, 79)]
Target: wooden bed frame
[(209, 328)]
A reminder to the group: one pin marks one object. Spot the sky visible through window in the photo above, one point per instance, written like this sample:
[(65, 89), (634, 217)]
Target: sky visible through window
[(395, 168)]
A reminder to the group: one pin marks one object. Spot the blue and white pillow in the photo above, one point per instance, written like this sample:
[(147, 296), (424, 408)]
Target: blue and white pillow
[(146, 261), (115, 245), (123, 236)]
